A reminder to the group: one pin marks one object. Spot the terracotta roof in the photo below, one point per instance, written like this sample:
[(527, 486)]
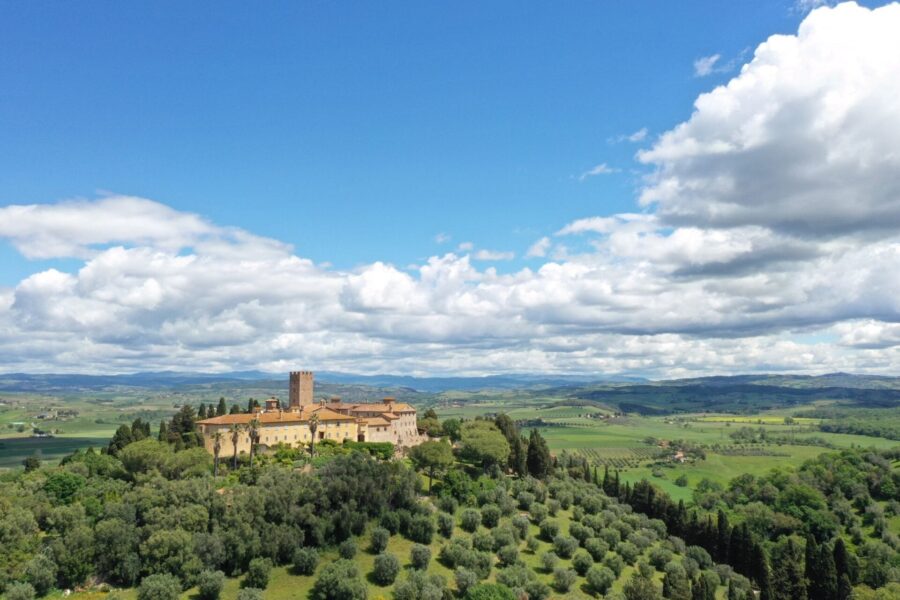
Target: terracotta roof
[(275, 417), (377, 421)]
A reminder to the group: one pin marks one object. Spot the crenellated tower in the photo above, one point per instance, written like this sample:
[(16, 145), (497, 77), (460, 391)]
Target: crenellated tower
[(301, 389)]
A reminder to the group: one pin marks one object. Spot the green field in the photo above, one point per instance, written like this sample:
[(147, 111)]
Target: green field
[(621, 442), (50, 450)]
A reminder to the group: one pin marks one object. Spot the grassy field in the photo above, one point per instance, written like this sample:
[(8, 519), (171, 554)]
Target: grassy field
[(622, 442)]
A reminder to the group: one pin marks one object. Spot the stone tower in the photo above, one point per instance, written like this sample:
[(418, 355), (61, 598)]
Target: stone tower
[(301, 391)]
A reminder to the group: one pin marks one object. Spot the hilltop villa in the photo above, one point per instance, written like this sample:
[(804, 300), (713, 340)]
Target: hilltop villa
[(385, 421)]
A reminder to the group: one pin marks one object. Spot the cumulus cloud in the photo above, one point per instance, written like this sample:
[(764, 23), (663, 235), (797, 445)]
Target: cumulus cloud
[(768, 242), (803, 140)]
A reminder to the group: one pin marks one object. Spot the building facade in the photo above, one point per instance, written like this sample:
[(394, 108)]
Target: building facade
[(385, 421)]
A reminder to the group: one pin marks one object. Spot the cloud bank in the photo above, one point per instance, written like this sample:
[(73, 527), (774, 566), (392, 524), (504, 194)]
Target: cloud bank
[(768, 241)]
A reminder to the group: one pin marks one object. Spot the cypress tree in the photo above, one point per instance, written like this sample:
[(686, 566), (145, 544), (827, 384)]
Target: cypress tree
[(761, 573), (121, 438), (723, 538), (201, 412), (606, 480), (697, 591), (235, 409), (842, 561), (845, 588), (827, 579), (788, 580), (811, 567), (538, 457), (221, 409), (163, 432)]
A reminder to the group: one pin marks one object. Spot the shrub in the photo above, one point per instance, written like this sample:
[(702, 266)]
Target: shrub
[(347, 549), (470, 520), (514, 577), (596, 547), (483, 541), (421, 529), (258, 574), (490, 515), (628, 551), (538, 512), (339, 580), (158, 587), (549, 560), (600, 579), (681, 481), (563, 579), (391, 522), (582, 561), (700, 555), (445, 524), (419, 586), (209, 584), (565, 546), (249, 594), (305, 561), (615, 563), (490, 591), (503, 536), (508, 555), (379, 540), (659, 557), (465, 579), (537, 590), (525, 500), (549, 530), (448, 504), (40, 572), (553, 507), (532, 544), (520, 526), (420, 556), (386, 569), (21, 591)]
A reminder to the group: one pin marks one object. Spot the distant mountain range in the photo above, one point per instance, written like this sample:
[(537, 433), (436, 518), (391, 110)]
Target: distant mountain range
[(25, 382), (31, 382)]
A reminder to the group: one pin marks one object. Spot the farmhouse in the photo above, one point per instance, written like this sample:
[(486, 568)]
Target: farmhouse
[(304, 419)]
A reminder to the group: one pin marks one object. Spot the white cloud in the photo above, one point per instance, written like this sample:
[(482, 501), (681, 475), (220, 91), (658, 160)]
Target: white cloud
[(638, 136), (493, 255), (539, 248), (601, 169), (804, 139), (770, 241), (705, 65), (442, 238)]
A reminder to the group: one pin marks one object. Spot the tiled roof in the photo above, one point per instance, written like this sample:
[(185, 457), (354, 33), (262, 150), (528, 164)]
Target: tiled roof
[(275, 417)]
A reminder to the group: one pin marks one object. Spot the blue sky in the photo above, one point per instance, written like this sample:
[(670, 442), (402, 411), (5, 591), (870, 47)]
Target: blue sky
[(356, 131), (661, 189)]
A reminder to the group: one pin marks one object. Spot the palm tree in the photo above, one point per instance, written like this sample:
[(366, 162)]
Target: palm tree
[(313, 426), (235, 431), (254, 438), (217, 447)]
